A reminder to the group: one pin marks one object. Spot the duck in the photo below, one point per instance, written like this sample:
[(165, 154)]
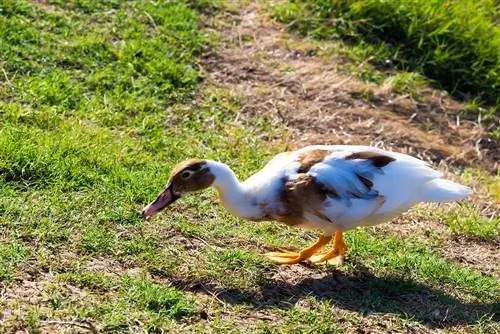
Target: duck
[(330, 188)]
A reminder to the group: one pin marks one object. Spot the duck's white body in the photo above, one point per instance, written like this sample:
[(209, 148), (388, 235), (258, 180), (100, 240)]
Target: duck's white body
[(345, 191), (332, 188)]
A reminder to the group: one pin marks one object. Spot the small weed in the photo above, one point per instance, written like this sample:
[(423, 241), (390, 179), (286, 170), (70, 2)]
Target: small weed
[(87, 279), (33, 321), (11, 254), (466, 220), (410, 83)]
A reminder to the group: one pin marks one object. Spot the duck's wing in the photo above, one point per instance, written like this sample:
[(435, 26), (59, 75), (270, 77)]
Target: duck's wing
[(350, 175), (365, 184)]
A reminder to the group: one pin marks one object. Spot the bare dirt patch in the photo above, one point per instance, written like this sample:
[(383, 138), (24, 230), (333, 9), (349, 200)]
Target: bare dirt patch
[(110, 267), (46, 5), (319, 103)]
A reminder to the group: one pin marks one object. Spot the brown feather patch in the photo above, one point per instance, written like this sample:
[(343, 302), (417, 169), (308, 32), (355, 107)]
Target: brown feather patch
[(191, 164), (378, 160), (310, 158), (298, 194), (366, 182)]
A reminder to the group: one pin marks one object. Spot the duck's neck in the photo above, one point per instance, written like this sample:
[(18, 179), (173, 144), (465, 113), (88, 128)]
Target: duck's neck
[(233, 195)]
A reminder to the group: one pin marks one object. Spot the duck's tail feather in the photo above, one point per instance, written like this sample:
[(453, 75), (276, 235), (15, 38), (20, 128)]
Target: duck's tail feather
[(440, 190)]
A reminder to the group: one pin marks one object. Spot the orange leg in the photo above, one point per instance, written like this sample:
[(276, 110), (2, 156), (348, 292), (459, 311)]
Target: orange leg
[(337, 251), (293, 258)]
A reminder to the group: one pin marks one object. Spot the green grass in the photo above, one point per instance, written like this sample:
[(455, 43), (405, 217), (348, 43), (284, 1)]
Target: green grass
[(98, 101), (134, 298), (159, 300), (84, 278), (453, 43), (469, 222), (410, 83), (11, 253), (490, 182)]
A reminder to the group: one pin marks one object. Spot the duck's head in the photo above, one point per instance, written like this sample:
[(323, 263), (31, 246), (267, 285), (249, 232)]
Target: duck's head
[(188, 176)]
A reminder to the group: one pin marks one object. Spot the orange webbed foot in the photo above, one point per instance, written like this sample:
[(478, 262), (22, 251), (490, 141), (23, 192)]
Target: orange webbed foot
[(334, 256), (287, 257)]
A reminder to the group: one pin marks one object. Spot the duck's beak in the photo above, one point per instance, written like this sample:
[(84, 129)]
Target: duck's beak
[(164, 199)]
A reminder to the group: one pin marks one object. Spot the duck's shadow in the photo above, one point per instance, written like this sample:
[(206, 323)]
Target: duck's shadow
[(365, 294)]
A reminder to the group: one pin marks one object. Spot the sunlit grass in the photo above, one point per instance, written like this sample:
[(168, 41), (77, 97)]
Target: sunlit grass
[(100, 99)]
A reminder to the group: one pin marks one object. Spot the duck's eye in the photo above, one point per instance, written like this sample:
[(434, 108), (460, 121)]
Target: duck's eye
[(186, 174)]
